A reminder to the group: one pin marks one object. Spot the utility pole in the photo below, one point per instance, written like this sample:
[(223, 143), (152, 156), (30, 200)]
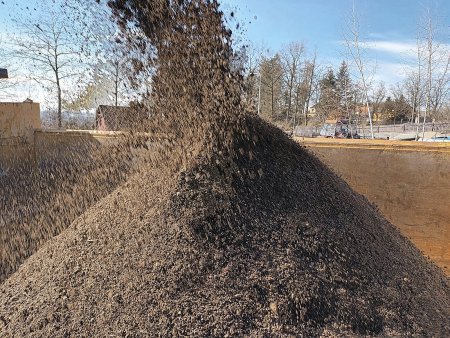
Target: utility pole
[(259, 92)]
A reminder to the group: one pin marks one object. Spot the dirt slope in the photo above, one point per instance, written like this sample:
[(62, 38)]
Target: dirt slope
[(288, 250)]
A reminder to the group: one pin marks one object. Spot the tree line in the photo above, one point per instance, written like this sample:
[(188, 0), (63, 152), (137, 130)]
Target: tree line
[(291, 88), (74, 52)]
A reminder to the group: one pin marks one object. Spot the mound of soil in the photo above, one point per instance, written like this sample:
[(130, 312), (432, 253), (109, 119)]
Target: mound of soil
[(283, 248), (229, 228)]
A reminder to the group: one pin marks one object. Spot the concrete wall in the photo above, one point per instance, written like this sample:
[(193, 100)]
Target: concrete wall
[(408, 181), (55, 145), (17, 124), (18, 121)]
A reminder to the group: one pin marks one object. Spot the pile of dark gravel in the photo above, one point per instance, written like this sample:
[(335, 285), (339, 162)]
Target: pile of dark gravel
[(283, 248)]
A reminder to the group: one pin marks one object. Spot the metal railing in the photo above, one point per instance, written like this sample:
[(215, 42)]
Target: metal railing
[(364, 131)]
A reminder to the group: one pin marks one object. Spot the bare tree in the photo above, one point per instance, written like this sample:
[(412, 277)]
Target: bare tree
[(429, 51), (355, 47), (436, 57), (48, 48), (122, 60), (252, 74), (116, 69), (291, 58), (412, 88), (66, 59), (271, 80), (308, 83), (417, 83), (440, 88)]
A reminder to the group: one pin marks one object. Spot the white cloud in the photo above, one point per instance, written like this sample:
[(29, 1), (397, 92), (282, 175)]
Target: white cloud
[(391, 72), (399, 48)]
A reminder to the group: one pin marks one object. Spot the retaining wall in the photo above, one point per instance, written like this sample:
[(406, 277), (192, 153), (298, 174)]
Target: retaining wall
[(408, 181), (55, 145)]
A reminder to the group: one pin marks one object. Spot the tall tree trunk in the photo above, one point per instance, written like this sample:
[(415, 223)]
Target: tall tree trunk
[(58, 86), (288, 113), (305, 114), (59, 104), (311, 75), (116, 84), (430, 51), (273, 100)]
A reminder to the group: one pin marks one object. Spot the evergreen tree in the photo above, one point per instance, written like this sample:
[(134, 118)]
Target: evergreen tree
[(329, 99), (396, 110), (402, 109), (389, 110)]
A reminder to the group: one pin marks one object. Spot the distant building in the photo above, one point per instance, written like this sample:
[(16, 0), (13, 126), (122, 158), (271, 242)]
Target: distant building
[(119, 118), (312, 110), (362, 109)]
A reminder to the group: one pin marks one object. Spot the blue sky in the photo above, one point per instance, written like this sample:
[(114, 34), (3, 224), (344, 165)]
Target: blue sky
[(389, 26)]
